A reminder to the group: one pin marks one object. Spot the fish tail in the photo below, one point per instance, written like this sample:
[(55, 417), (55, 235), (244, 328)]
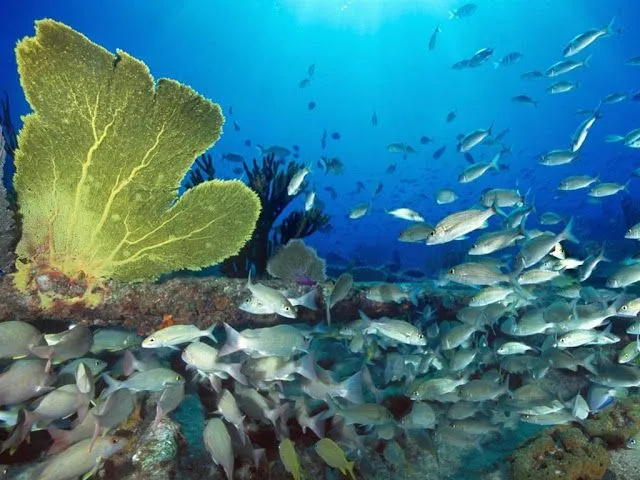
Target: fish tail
[(307, 367), (328, 312), (316, 424), (276, 413), (452, 14), (112, 385), (260, 148), (234, 371), (215, 382), (210, 334), (128, 363), (586, 61), (351, 388), (567, 233), (494, 163), (601, 255), (308, 300), (233, 341), (587, 363), (609, 28)]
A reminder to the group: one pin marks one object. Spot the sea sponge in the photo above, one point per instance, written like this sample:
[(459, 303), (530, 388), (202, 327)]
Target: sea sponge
[(99, 164)]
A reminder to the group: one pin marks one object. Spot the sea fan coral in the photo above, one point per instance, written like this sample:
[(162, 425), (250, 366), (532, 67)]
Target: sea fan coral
[(99, 165), (295, 261)]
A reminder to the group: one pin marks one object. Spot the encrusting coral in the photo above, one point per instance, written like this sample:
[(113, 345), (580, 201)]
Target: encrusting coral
[(99, 164)]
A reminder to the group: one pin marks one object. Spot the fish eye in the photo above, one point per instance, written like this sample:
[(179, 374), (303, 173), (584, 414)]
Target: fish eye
[(177, 378), (632, 441), (452, 271), (115, 440), (287, 309), (624, 307), (432, 233), (151, 339)]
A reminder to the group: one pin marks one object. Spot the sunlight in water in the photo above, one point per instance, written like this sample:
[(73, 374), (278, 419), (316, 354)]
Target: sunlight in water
[(362, 15)]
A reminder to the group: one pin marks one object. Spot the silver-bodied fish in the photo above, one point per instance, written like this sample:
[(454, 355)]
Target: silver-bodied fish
[(175, 335)]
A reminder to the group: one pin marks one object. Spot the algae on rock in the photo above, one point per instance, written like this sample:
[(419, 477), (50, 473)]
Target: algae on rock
[(99, 165)]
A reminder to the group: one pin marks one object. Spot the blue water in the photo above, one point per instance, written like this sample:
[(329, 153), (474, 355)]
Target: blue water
[(372, 55)]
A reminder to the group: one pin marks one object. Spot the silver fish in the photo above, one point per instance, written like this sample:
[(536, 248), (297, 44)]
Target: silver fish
[(79, 459), (218, 444), (459, 224), (175, 335), (582, 41)]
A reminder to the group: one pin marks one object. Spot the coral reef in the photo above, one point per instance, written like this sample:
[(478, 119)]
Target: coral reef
[(270, 182), (7, 235), (101, 201), (198, 301), (578, 453), (295, 261), (561, 452)]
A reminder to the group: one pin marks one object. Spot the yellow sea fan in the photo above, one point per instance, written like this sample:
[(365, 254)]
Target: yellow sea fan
[(100, 162)]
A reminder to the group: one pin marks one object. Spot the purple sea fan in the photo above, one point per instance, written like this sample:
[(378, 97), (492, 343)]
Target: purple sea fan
[(295, 261)]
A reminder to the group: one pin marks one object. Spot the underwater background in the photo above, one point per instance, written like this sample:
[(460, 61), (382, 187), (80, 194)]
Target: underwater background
[(373, 56), (378, 100)]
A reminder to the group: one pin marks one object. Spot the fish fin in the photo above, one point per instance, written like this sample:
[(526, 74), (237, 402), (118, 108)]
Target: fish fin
[(210, 334), (308, 300), (24, 426), (274, 414), (233, 341), (112, 385), (316, 424), (587, 363), (328, 312), (568, 234), (60, 440), (234, 371), (601, 255), (307, 367), (352, 388), (549, 342), (494, 163), (43, 351), (129, 362), (609, 28), (215, 382)]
